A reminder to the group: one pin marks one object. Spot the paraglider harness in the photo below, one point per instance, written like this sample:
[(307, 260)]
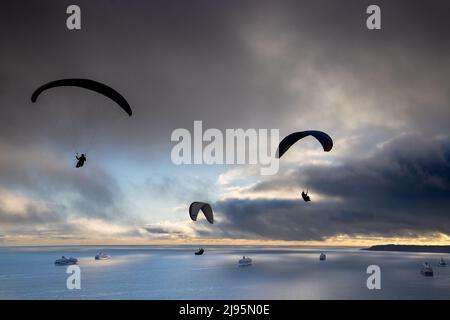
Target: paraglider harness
[(81, 160), (305, 196)]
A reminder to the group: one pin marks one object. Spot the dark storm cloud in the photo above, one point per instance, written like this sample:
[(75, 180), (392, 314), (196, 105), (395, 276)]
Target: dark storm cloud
[(228, 63), (402, 190)]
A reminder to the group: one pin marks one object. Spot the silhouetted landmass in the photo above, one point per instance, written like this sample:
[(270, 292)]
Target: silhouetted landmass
[(409, 248)]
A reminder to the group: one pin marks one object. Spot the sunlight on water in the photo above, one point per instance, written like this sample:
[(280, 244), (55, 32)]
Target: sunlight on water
[(176, 273)]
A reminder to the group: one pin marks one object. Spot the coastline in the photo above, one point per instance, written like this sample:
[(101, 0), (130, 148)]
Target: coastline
[(410, 248)]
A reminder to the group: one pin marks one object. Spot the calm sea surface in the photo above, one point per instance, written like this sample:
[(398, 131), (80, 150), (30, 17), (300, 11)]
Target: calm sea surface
[(167, 272)]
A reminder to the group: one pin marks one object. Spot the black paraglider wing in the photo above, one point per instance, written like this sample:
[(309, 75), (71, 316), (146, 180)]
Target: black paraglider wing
[(86, 84), (324, 139)]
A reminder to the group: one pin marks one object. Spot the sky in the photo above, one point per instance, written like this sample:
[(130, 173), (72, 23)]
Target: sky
[(382, 95)]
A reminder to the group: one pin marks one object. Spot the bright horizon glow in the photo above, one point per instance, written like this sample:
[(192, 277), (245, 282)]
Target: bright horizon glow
[(339, 241)]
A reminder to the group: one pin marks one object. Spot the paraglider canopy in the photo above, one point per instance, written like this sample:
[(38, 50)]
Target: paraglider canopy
[(305, 196), (86, 84), (324, 139), (195, 207)]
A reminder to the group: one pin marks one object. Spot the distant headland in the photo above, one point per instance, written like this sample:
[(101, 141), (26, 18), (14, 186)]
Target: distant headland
[(409, 248)]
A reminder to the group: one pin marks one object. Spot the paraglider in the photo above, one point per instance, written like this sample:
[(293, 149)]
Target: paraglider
[(81, 160), (86, 84), (305, 196), (90, 85), (195, 207), (324, 139)]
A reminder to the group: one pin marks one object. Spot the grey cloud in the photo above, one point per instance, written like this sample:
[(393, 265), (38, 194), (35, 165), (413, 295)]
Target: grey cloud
[(206, 61), (186, 189), (46, 176), (164, 233), (402, 190), (161, 230), (32, 216)]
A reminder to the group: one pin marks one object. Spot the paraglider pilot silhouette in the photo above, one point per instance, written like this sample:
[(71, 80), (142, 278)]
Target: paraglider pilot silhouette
[(81, 160), (305, 196)]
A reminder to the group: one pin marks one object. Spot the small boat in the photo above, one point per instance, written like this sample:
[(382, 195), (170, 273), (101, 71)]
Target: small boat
[(442, 263), (66, 261), (102, 256), (323, 257), (199, 252), (427, 270), (245, 261)]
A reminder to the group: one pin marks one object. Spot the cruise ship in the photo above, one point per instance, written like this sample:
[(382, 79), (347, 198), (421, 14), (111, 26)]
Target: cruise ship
[(245, 261), (102, 256), (427, 270), (63, 261)]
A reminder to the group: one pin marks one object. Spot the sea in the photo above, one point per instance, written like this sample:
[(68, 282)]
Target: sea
[(174, 272)]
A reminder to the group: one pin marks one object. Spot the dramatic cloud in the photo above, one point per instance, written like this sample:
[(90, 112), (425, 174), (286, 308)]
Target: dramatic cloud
[(402, 190), (382, 95)]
